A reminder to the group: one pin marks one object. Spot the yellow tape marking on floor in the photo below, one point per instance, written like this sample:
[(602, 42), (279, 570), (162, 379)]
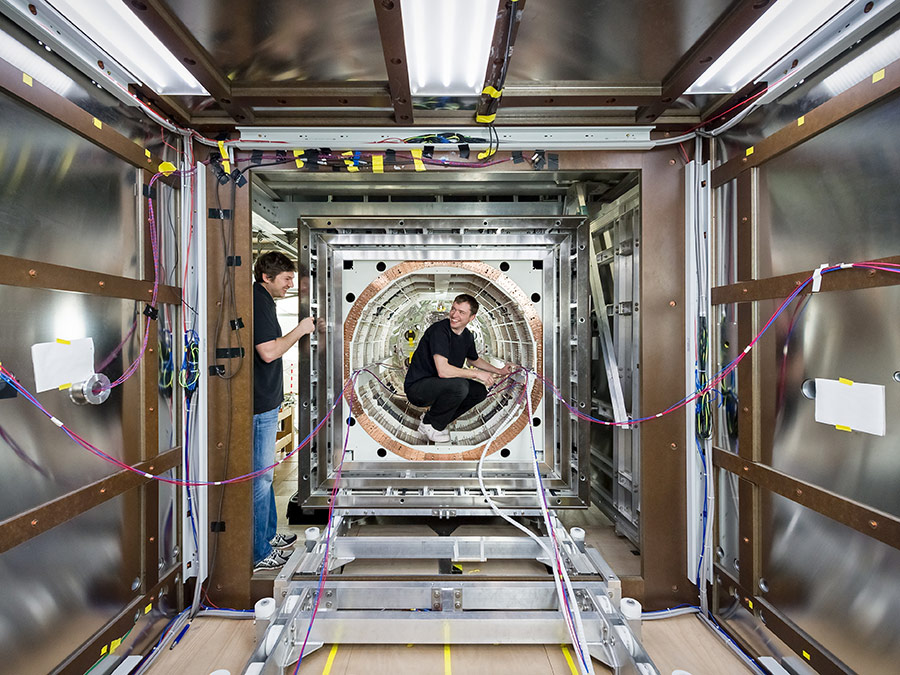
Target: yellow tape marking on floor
[(330, 660), (565, 651), (447, 670)]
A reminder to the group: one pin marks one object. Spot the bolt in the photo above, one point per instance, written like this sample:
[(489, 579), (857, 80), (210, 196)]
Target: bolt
[(458, 594), (220, 445), (328, 594), (32, 273), (34, 522), (150, 409), (328, 605), (674, 446), (457, 604), (672, 162), (746, 409), (745, 290), (746, 468), (873, 524), (672, 303), (152, 539), (101, 284), (746, 540), (799, 492)]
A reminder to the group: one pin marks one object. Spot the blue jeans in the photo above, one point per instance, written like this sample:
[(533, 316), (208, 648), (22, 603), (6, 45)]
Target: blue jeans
[(265, 515)]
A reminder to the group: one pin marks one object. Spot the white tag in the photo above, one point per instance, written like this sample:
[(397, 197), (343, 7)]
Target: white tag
[(855, 406), (63, 362)]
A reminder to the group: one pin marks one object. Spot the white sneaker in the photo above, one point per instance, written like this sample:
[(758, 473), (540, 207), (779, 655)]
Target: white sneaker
[(434, 435)]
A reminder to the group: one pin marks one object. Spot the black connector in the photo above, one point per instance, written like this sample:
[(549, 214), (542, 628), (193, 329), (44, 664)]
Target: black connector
[(239, 179), (237, 323), (217, 371), (151, 312)]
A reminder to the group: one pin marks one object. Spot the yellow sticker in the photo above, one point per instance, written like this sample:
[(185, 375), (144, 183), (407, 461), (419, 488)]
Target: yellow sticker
[(104, 650), (844, 380), (147, 152), (297, 155), (377, 163), (801, 121), (114, 645), (493, 93), (148, 608), (806, 655), (167, 168), (26, 78), (750, 151), (843, 428), (98, 123), (417, 159), (878, 77), (225, 163), (63, 342), (63, 387), (485, 119), (750, 604)]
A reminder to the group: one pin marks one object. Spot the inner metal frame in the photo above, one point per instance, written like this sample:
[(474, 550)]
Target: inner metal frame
[(436, 487)]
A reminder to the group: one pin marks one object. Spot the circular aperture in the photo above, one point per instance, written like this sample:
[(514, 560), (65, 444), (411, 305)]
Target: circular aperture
[(808, 389)]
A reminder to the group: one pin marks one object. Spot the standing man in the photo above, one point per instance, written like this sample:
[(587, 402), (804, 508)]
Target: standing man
[(274, 274), (436, 377)]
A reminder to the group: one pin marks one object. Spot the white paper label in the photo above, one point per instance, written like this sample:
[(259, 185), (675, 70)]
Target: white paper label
[(63, 362), (857, 406)]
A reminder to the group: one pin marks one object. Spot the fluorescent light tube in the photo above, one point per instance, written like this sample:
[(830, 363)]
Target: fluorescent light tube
[(447, 45), (786, 24), (117, 31)]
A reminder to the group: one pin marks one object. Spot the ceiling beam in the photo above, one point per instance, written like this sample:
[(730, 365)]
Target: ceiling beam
[(506, 28), (581, 94), (314, 94), (178, 39), (734, 23), (390, 26)]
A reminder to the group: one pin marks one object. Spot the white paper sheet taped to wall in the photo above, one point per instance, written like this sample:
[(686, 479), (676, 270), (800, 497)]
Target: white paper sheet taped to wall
[(61, 363), (851, 406)]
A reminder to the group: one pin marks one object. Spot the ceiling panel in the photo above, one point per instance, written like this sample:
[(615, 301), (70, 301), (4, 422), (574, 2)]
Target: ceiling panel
[(280, 41)]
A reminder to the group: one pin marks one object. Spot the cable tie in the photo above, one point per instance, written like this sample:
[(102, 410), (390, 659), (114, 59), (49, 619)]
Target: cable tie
[(148, 475), (817, 277), (57, 422), (846, 266), (151, 312), (747, 349), (218, 482)]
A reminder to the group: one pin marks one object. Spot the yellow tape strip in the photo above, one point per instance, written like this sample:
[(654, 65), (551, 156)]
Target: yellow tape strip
[(26, 78), (417, 159), (63, 387), (878, 77), (377, 163), (104, 650), (147, 152), (114, 645), (447, 670), (63, 342), (225, 163), (572, 668), (801, 121), (844, 380), (750, 151), (98, 123), (148, 608), (485, 119), (167, 168), (486, 154), (493, 93), (750, 604), (843, 428), (806, 655), (330, 660), (299, 162)]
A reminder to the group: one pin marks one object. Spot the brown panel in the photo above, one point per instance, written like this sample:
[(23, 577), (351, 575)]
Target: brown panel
[(33, 274), (663, 517), (561, 94), (230, 401), (876, 524), (506, 28), (783, 286), (857, 98), (51, 104), (746, 227), (747, 532), (81, 660), (179, 40), (21, 528), (703, 54), (318, 94), (393, 44)]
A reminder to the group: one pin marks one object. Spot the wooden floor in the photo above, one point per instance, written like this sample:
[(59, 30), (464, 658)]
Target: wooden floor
[(680, 643)]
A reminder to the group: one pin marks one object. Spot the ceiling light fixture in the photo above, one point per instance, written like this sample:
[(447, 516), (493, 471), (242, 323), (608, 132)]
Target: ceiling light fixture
[(447, 45), (784, 26), (117, 31)]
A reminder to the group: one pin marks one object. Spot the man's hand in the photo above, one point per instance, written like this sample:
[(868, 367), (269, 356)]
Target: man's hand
[(307, 326), (486, 378), (508, 369)]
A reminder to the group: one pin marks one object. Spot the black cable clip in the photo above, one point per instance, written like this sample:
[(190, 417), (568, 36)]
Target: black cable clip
[(239, 179), (151, 312), (237, 323)]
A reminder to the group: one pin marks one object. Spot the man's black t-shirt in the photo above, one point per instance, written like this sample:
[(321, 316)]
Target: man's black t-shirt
[(440, 339), (268, 378)]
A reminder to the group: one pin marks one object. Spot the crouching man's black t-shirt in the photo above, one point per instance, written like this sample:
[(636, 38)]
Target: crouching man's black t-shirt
[(440, 339)]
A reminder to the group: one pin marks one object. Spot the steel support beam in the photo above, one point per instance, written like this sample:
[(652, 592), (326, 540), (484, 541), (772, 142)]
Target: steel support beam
[(390, 26)]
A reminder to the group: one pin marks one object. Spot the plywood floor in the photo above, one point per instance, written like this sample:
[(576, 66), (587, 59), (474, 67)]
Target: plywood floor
[(210, 644)]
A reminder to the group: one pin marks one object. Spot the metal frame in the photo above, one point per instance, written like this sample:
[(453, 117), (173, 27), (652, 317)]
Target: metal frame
[(409, 487)]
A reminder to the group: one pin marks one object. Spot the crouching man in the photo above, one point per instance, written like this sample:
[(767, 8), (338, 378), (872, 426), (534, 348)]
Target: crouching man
[(436, 378)]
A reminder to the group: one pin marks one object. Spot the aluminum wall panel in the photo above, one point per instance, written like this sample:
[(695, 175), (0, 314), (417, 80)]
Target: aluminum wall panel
[(63, 200), (845, 596), (835, 197), (37, 461), (850, 334), (52, 602)]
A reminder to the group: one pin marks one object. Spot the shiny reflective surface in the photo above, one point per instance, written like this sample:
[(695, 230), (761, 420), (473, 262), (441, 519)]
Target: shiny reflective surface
[(287, 40), (846, 595), (63, 200), (63, 585), (833, 198)]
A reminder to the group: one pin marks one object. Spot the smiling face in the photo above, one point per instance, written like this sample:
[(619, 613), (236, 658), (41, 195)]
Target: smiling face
[(460, 316), (280, 285)]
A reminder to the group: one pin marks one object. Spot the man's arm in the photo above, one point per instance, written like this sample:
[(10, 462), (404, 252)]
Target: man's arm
[(274, 349), (507, 369), (444, 369)]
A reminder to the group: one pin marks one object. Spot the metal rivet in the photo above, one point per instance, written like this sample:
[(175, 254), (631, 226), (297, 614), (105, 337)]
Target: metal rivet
[(674, 446), (873, 524), (152, 539), (101, 284), (34, 522), (799, 492), (746, 540), (746, 468), (672, 303), (32, 273)]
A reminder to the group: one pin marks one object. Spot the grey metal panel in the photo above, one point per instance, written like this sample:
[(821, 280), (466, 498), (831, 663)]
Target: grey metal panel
[(64, 200), (37, 461), (597, 41), (727, 512), (826, 340), (64, 585), (833, 198), (287, 40), (838, 585)]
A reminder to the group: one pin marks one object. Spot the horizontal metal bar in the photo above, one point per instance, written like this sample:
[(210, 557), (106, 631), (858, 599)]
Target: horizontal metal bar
[(454, 548), (34, 274), (401, 209)]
